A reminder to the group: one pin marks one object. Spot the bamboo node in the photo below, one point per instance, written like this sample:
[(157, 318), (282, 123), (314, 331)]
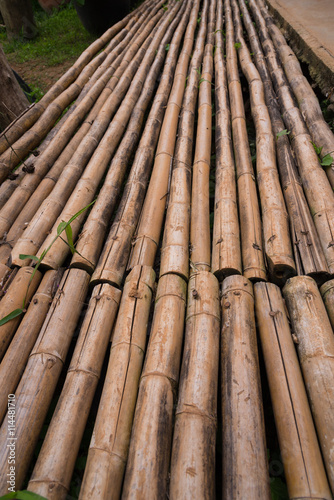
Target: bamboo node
[(227, 305), (195, 294), (273, 313), (29, 169)]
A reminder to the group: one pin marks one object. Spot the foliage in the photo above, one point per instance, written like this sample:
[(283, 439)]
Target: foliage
[(22, 495), (325, 161), (282, 132)]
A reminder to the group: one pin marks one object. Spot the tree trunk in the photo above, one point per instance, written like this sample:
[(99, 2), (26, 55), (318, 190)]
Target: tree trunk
[(12, 101), (19, 18)]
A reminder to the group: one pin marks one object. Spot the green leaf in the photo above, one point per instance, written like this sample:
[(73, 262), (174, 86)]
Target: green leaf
[(327, 160), (80, 212), (316, 149), (10, 316), (23, 495), (23, 256), (61, 227), (69, 235), (283, 132), (237, 45), (167, 47)]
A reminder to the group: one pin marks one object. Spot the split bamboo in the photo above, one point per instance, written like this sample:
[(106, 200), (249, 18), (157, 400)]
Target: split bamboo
[(28, 119), (249, 212), (308, 253), (175, 244), (327, 293), (149, 454), (35, 390), (74, 157), (304, 469), (315, 345), (200, 242), (17, 296), (317, 189), (91, 240), (307, 101), (194, 439), (245, 468), (85, 189), (109, 446), (52, 473), (226, 252), (277, 244), (149, 229), (13, 364)]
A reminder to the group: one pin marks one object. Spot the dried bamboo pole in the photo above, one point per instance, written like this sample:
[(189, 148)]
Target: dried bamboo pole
[(35, 390), (319, 194), (108, 450), (13, 364), (226, 252), (29, 118), (114, 257), (20, 292), (315, 345), (148, 232), (91, 241), (277, 244), (27, 189), (194, 439), (62, 196), (245, 468), (52, 473), (308, 103), (249, 212), (304, 470), (328, 298), (308, 254)]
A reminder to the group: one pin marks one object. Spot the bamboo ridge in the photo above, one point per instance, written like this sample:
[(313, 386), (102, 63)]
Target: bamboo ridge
[(166, 265)]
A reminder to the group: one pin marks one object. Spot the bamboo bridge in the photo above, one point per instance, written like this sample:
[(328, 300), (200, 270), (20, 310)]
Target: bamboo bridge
[(154, 249)]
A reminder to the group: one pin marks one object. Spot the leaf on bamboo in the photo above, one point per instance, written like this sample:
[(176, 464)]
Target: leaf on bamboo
[(283, 132), (23, 256), (14, 314), (237, 45), (327, 160), (23, 495)]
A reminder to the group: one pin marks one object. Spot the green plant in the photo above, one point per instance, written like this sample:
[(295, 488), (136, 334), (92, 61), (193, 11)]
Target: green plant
[(283, 132), (63, 226), (22, 495), (325, 161), (237, 45)]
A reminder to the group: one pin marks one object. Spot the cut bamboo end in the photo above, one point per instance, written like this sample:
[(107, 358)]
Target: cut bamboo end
[(303, 465), (243, 424), (327, 293), (110, 442), (315, 345), (52, 474), (17, 296), (193, 455)]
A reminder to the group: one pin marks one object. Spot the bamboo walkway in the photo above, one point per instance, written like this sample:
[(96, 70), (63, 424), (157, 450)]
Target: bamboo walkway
[(167, 247)]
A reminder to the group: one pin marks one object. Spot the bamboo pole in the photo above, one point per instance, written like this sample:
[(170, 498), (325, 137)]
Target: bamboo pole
[(52, 473), (35, 390), (20, 292), (308, 254), (308, 103), (148, 232), (149, 453), (315, 345), (85, 189), (277, 244), (304, 470), (249, 212), (15, 359), (109, 446), (18, 203), (29, 118), (91, 241), (115, 254), (327, 293), (175, 244), (245, 468), (194, 439), (226, 252), (319, 194)]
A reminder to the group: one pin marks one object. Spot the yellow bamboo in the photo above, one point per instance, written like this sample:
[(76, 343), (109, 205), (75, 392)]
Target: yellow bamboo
[(327, 293), (35, 390), (245, 468), (111, 436), (304, 470), (52, 473), (13, 364), (17, 296), (309, 256), (249, 212), (315, 345), (194, 439), (226, 252)]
